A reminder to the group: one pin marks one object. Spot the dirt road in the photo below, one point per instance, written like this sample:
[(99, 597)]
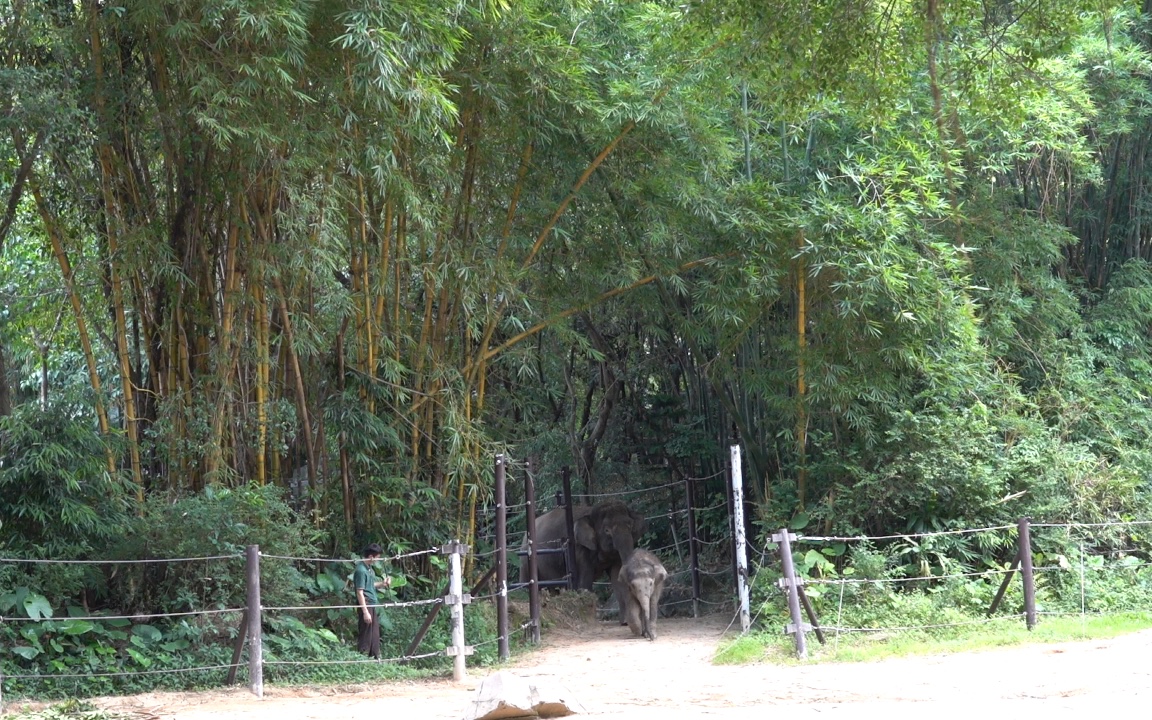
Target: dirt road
[(605, 673)]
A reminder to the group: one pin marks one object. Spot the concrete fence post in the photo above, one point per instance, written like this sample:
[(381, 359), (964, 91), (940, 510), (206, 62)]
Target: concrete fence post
[(255, 622), (456, 600), (741, 540)]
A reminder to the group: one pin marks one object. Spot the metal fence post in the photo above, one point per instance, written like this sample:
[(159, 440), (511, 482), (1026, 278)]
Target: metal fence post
[(693, 556), (501, 559), (731, 522), (1026, 573), (741, 540), (255, 639), (532, 560), (792, 586), (456, 600), (569, 527)]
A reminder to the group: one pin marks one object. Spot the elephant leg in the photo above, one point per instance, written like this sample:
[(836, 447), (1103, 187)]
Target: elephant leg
[(654, 606), (634, 619), (621, 589), (585, 571), (645, 601)]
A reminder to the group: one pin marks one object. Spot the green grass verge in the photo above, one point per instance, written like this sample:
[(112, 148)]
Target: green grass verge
[(866, 647)]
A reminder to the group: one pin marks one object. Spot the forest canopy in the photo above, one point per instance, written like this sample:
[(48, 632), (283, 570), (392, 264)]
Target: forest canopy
[(894, 249)]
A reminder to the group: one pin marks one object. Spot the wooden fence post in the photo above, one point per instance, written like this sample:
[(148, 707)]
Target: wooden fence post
[(1026, 572), (456, 600), (533, 558), (790, 584), (741, 541), (238, 649), (501, 559), (1004, 584), (255, 639)]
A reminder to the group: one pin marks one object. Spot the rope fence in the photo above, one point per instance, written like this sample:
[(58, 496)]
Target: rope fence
[(12, 676), (1070, 580), (145, 561), (137, 617), (27, 667)]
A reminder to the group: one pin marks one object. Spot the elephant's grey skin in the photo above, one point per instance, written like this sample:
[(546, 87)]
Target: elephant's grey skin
[(609, 534), (605, 533), (643, 575), (550, 534)]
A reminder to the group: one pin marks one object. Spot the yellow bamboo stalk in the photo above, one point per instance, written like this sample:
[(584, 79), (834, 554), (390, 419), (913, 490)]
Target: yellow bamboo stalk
[(226, 367), (369, 343), (281, 368), (111, 212), (301, 395), (549, 226), (125, 366), (262, 356), (385, 258), (55, 237), (483, 355), (345, 461), (514, 203), (397, 270), (801, 387)]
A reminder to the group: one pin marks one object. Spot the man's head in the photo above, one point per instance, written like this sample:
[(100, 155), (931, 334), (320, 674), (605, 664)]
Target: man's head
[(372, 551)]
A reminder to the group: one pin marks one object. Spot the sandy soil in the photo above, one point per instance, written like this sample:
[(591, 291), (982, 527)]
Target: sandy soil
[(602, 672)]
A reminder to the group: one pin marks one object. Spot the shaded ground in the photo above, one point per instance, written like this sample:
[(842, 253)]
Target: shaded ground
[(608, 674)]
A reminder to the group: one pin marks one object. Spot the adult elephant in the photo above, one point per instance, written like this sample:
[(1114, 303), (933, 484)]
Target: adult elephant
[(606, 535)]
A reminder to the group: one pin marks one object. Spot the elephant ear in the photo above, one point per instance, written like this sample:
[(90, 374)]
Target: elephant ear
[(585, 533)]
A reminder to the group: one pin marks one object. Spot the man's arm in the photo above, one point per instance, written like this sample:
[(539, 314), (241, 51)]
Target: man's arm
[(364, 612)]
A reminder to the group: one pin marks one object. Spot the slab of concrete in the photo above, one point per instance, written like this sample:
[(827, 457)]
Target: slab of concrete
[(504, 696)]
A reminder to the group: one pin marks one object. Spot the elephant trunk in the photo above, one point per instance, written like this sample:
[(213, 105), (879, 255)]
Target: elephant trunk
[(624, 543)]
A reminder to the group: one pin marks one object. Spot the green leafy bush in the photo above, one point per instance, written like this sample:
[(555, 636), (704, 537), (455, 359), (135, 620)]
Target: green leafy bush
[(216, 522)]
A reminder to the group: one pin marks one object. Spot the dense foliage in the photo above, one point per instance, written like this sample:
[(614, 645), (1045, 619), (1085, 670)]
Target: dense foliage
[(349, 251)]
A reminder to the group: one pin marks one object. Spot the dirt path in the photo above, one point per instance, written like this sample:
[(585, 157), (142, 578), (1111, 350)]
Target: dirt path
[(607, 674)]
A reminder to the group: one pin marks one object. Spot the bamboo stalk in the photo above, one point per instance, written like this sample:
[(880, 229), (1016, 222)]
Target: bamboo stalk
[(369, 343), (385, 258), (513, 204), (485, 355), (262, 350), (801, 388), (55, 237), (546, 231), (226, 364), (342, 439), (125, 368), (301, 396), (111, 228), (398, 267)]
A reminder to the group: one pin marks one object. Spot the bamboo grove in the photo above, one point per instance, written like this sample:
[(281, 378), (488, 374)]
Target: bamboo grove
[(355, 249)]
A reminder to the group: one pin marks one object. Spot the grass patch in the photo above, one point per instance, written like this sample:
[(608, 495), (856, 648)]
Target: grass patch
[(879, 645), (69, 710), (741, 651)]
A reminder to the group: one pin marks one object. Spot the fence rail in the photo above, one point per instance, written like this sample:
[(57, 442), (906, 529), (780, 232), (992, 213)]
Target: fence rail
[(251, 622), (1079, 568)]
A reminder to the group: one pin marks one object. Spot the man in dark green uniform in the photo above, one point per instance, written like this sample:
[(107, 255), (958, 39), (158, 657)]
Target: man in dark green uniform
[(368, 618)]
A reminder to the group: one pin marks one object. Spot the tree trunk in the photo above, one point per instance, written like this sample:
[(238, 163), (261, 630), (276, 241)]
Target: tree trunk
[(5, 388)]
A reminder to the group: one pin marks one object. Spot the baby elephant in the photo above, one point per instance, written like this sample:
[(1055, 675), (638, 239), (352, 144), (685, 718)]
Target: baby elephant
[(643, 575)]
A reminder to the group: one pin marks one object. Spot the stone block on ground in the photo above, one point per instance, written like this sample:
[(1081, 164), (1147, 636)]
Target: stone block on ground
[(503, 696)]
